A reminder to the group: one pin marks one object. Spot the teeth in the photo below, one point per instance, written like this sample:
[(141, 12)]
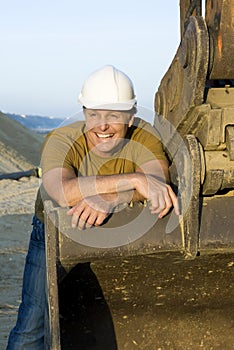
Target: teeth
[(104, 136)]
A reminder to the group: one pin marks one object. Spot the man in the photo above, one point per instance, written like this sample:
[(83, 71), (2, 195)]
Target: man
[(92, 167)]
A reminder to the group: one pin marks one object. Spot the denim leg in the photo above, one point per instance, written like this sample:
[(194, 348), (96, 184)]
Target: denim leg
[(28, 333)]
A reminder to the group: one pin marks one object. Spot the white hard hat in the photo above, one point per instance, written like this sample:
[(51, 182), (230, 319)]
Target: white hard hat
[(108, 88)]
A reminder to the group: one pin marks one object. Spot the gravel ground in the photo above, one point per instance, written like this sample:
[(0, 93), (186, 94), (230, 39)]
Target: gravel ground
[(14, 236), (16, 210)]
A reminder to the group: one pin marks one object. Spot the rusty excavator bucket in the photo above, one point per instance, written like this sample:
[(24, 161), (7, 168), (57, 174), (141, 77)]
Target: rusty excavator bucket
[(194, 114), (195, 106)]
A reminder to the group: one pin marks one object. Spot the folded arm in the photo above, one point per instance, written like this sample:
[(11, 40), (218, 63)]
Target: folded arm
[(93, 198)]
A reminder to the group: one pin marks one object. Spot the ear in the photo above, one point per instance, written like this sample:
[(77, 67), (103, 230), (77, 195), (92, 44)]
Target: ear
[(131, 119)]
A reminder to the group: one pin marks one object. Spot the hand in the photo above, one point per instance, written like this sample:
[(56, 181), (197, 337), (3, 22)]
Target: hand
[(160, 194), (91, 211)]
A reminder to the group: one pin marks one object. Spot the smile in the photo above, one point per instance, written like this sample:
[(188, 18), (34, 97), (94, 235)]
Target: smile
[(104, 136)]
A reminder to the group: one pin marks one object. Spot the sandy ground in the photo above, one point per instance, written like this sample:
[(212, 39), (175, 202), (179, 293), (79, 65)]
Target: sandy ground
[(16, 210), (20, 151)]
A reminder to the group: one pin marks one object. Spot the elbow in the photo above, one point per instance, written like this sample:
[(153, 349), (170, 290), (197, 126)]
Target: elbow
[(62, 202), (58, 196), (60, 190)]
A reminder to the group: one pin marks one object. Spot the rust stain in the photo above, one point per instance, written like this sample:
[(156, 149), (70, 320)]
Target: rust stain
[(220, 44), (232, 21), (208, 11)]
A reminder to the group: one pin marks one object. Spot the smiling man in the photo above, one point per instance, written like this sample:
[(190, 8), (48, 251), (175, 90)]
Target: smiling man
[(92, 166), (107, 129)]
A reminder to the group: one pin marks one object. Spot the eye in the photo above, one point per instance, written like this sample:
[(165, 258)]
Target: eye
[(92, 115), (113, 116)]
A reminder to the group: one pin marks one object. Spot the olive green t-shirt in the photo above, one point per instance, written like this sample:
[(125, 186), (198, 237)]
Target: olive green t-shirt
[(67, 147)]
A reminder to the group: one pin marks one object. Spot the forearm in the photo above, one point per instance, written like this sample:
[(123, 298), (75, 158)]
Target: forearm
[(67, 189), (76, 189), (123, 197)]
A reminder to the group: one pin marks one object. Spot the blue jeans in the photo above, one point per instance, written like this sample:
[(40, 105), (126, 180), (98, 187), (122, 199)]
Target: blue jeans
[(28, 333)]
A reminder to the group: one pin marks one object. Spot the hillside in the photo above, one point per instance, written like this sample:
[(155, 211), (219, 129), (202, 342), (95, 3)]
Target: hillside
[(36, 123), (20, 147)]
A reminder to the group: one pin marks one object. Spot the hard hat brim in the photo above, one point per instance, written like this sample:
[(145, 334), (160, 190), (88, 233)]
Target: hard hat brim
[(115, 106)]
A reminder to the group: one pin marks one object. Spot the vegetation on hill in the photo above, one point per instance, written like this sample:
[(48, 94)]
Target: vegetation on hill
[(19, 141)]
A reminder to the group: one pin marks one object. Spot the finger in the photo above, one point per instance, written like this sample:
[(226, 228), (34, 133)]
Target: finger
[(81, 224), (158, 205), (78, 208), (83, 220), (174, 200), (168, 205), (153, 208), (100, 218), (74, 220), (164, 212), (91, 220), (71, 211), (87, 225), (171, 199), (77, 212), (95, 219), (164, 207)]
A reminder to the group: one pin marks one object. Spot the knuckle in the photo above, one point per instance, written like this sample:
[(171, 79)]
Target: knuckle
[(90, 221), (98, 222), (100, 219)]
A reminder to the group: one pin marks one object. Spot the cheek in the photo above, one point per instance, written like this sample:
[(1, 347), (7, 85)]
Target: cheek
[(89, 125), (123, 130)]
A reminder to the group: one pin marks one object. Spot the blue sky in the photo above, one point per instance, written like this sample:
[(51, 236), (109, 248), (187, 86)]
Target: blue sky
[(48, 48)]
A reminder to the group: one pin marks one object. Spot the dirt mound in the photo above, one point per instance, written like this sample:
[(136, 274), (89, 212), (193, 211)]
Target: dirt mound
[(20, 151), (20, 147)]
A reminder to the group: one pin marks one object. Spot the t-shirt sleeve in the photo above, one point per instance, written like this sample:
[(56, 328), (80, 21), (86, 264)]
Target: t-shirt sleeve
[(58, 152), (147, 145)]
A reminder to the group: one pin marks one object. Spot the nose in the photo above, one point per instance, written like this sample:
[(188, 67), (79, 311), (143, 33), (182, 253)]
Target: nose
[(103, 123)]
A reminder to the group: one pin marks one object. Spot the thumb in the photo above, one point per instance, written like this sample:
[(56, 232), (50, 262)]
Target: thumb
[(71, 211)]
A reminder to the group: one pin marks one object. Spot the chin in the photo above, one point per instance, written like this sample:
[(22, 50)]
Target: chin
[(108, 147)]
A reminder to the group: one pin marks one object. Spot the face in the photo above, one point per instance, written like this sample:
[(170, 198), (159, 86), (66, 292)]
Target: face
[(106, 130)]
